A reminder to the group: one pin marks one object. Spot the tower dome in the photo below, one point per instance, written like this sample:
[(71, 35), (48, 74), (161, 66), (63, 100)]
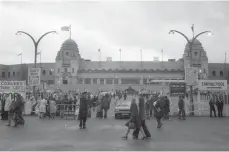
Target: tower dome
[(69, 45)]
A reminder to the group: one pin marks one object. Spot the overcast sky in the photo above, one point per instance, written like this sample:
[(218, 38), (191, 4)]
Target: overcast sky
[(110, 26)]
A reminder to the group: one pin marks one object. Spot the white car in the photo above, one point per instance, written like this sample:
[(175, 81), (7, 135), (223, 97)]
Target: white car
[(122, 109)]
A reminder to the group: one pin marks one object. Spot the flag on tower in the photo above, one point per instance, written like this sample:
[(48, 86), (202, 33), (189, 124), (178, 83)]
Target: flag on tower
[(99, 50), (192, 27), (65, 28), (19, 54)]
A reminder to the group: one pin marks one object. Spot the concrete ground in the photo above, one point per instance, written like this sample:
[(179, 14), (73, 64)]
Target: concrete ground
[(50, 135), (196, 133)]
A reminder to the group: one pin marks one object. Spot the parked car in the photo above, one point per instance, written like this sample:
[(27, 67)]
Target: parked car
[(122, 109)]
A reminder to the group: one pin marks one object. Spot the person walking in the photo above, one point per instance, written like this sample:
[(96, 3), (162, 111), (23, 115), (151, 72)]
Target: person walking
[(219, 104), (83, 110), (105, 105), (212, 106), (7, 105), (158, 111), (181, 106), (166, 108), (42, 107), (142, 117)]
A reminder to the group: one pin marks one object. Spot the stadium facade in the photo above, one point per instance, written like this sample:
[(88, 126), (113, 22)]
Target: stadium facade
[(70, 71)]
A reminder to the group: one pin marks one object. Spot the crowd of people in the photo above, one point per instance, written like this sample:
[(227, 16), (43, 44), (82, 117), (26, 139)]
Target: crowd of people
[(143, 107)]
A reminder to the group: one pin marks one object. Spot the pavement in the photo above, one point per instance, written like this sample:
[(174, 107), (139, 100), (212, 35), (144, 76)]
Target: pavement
[(194, 134)]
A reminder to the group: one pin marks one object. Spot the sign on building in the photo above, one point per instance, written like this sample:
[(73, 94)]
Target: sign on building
[(177, 89), (34, 76), (212, 85), (12, 87), (191, 76)]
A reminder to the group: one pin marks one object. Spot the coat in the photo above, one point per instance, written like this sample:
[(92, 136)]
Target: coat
[(52, 107), (83, 108), (142, 114), (181, 104), (7, 103), (134, 115), (105, 103), (158, 109), (167, 106)]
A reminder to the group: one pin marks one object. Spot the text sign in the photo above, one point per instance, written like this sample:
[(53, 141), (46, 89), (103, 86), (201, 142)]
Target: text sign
[(191, 76), (213, 85), (177, 89), (7, 87), (34, 76)]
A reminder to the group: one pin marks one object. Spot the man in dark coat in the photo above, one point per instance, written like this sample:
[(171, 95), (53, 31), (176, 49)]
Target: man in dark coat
[(212, 106), (166, 108), (83, 110), (219, 104), (181, 105), (105, 105)]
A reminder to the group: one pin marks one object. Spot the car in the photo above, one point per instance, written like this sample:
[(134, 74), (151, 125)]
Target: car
[(122, 109)]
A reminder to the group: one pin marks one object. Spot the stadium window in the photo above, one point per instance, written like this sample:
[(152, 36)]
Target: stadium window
[(213, 73), (8, 74), (3, 74), (44, 72), (13, 74), (221, 73)]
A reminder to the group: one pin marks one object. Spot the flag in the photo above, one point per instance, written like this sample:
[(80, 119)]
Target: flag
[(119, 50), (99, 50), (65, 28), (20, 54), (192, 27)]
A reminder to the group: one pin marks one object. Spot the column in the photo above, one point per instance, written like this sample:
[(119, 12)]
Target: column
[(98, 81), (105, 81), (119, 81), (83, 80)]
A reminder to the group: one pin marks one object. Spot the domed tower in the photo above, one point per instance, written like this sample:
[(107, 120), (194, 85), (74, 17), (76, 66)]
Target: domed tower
[(198, 58), (67, 63)]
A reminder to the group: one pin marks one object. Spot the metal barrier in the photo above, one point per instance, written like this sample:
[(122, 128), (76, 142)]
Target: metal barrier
[(66, 110)]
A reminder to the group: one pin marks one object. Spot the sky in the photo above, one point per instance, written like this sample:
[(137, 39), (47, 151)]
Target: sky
[(110, 26)]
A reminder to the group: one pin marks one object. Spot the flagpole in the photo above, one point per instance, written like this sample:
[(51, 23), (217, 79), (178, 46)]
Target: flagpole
[(21, 58), (162, 55), (70, 30), (120, 55)]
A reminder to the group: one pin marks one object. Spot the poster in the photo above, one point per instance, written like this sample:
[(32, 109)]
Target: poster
[(177, 89), (34, 76), (191, 76), (212, 85), (12, 87)]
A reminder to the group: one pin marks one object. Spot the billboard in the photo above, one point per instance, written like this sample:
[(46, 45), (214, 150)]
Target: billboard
[(177, 88), (191, 76), (34, 76), (212, 85), (12, 87)]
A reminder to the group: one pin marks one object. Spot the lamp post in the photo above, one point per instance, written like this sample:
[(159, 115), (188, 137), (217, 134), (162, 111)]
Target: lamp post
[(36, 46), (190, 43)]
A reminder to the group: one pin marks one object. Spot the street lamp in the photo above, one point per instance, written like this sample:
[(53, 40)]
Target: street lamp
[(35, 45), (190, 43)]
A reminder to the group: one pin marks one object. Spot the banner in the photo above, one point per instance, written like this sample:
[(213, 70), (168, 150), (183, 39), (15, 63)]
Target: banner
[(191, 76), (177, 89), (212, 85), (34, 76), (12, 87)]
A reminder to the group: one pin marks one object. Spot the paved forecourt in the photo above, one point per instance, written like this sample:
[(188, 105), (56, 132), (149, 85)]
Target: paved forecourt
[(197, 133)]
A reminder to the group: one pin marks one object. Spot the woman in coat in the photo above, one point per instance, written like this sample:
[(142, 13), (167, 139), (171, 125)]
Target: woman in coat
[(42, 107), (158, 111), (52, 108), (134, 118), (83, 111)]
